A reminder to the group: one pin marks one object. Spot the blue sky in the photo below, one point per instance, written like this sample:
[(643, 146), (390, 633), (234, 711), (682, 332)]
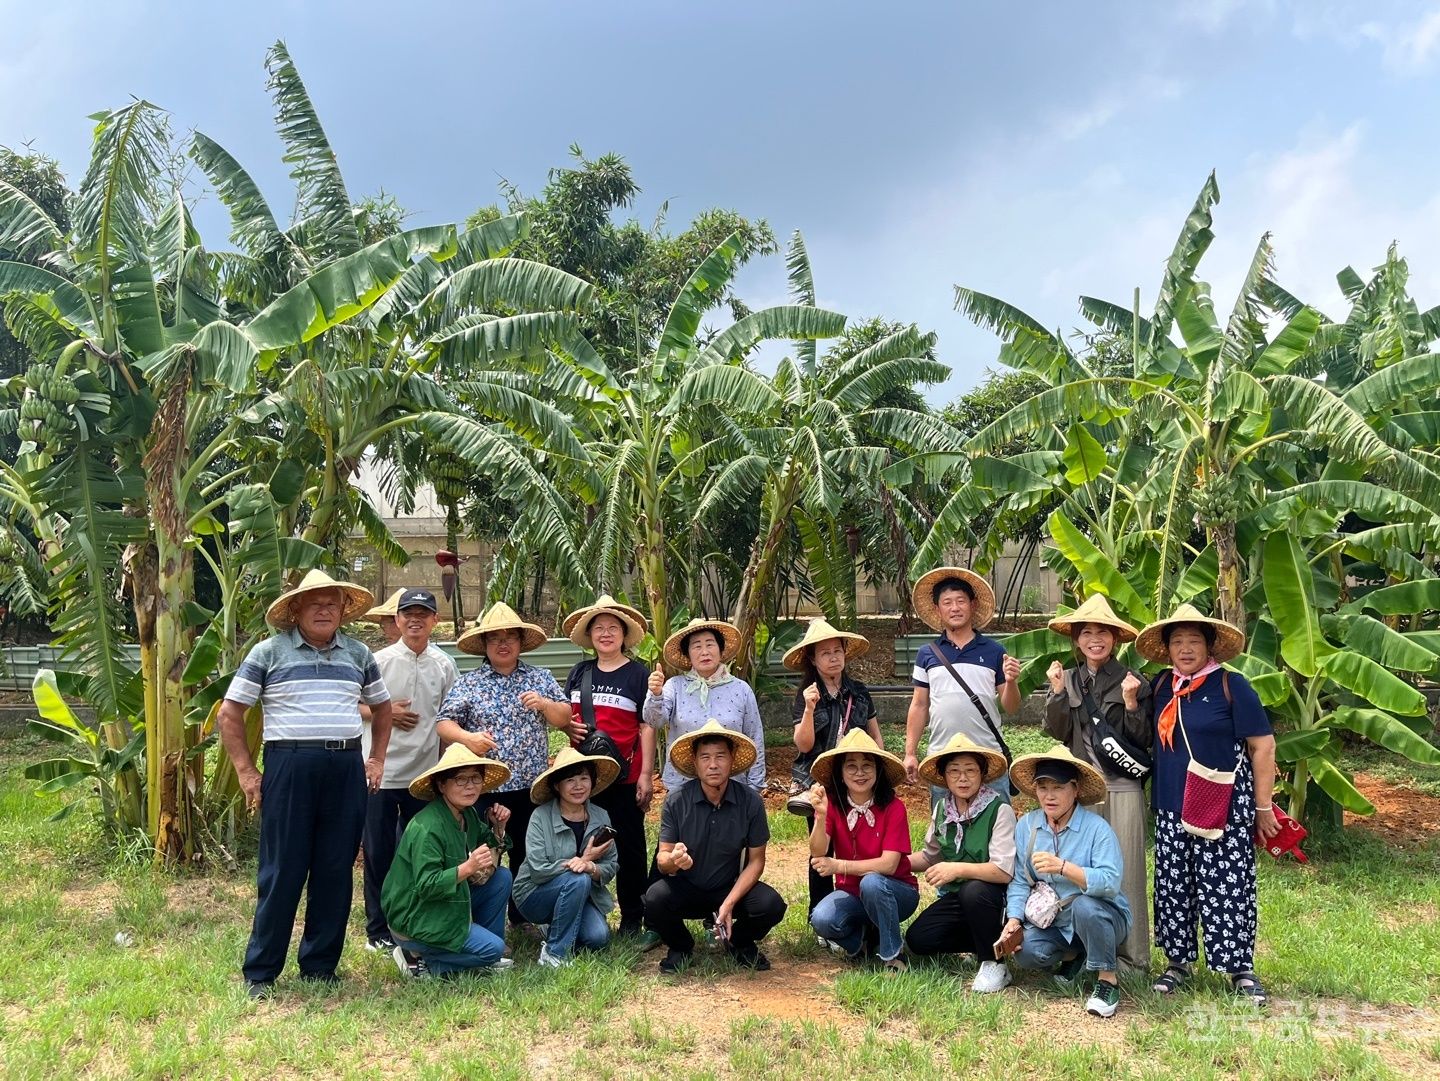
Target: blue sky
[(1035, 150)]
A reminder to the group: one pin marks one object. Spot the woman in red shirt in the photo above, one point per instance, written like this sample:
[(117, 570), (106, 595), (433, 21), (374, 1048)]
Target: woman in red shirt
[(857, 811)]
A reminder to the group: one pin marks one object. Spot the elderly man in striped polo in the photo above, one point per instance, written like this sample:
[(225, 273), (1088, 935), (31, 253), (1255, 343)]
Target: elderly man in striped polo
[(309, 680)]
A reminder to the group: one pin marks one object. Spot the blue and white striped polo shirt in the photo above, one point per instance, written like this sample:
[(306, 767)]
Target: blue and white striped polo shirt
[(309, 693)]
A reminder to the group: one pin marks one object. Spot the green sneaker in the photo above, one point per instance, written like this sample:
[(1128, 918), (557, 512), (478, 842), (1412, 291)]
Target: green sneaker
[(1104, 999)]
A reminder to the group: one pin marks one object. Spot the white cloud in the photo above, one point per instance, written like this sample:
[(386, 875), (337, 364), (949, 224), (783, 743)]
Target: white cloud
[(1409, 48), (1210, 15), (1076, 123)]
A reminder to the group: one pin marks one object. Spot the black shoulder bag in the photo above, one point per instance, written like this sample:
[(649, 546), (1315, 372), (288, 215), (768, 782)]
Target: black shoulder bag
[(979, 706), (596, 742), (1117, 754)]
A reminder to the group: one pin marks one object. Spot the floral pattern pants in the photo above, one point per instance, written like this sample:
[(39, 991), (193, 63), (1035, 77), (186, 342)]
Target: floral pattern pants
[(1210, 883)]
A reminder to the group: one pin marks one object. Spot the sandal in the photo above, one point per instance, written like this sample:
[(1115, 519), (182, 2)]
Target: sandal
[(1170, 980), (1247, 985)]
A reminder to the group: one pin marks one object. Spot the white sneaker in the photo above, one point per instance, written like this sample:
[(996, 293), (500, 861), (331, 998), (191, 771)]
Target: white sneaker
[(549, 960), (992, 977), (501, 965), (834, 947)]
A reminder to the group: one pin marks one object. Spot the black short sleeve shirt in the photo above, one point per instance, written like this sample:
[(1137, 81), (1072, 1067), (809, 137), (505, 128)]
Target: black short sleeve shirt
[(715, 836)]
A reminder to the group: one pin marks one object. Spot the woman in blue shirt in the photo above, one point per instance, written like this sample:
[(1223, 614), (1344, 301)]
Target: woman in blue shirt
[(1205, 869), (1062, 847)]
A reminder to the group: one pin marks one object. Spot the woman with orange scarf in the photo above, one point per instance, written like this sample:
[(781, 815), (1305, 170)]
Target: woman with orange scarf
[(1214, 778)]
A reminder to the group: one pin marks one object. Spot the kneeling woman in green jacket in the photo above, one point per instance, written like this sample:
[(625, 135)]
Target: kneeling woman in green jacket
[(569, 856), (446, 893)]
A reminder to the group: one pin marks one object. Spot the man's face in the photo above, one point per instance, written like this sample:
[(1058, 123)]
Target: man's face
[(954, 605), (713, 760), (416, 623), (318, 614)]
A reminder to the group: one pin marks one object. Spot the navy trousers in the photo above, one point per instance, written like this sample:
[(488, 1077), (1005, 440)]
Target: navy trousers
[(387, 813), (312, 813)]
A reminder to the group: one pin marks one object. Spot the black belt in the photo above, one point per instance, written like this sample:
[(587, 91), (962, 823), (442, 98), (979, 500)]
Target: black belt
[(352, 744)]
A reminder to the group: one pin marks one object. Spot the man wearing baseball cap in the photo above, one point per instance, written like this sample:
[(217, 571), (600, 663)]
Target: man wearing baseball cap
[(418, 675)]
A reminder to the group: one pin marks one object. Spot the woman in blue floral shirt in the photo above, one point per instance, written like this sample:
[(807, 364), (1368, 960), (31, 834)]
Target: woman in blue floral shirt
[(504, 709)]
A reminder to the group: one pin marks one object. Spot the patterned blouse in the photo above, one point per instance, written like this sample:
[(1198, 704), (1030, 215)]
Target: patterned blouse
[(486, 701)]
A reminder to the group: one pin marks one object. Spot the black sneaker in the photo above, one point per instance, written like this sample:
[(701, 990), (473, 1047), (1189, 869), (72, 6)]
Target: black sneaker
[(260, 990), (675, 961), (1104, 999), (1066, 975), (751, 957), (380, 944)]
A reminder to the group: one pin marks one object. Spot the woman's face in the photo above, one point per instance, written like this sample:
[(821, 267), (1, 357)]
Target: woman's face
[(607, 635), (963, 777), (576, 787), (1096, 643), (829, 658), (1056, 798), (858, 772), (703, 649), (462, 788), (1189, 651)]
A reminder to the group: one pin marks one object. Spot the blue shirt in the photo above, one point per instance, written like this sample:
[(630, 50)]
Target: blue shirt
[(1217, 730), (486, 701), (308, 692), (981, 664), (1088, 842)]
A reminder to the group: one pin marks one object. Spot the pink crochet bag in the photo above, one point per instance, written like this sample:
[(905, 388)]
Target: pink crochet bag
[(1205, 806)]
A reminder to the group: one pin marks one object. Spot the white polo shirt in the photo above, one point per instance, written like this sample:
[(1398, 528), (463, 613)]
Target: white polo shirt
[(423, 678)]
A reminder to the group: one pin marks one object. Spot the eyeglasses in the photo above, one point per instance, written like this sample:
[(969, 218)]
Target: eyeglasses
[(469, 780)]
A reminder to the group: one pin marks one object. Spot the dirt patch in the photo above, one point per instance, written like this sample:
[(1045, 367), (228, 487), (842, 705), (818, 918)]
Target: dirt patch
[(97, 900), (1402, 816)]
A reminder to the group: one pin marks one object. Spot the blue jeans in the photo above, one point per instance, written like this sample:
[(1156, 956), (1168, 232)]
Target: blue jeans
[(564, 903), (884, 902), (1099, 927), (485, 944)]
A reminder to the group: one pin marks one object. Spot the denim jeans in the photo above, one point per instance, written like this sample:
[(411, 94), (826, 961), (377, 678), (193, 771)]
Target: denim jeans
[(1099, 927), (485, 943), (884, 902), (564, 903)]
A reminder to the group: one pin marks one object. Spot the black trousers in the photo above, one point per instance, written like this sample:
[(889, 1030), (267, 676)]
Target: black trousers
[(387, 813), (520, 811), (820, 886), (671, 900), (965, 921), (632, 876), (312, 813)]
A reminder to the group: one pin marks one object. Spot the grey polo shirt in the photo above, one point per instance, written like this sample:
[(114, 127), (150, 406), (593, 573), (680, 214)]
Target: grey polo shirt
[(714, 836)]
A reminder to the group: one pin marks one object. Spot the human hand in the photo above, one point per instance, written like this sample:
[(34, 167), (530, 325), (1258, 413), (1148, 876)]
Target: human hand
[(942, 873), (1011, 668), (644, 791), (657, 681), (577, 730), (594, 851), (1056, 675), (1266, 824), (824, 866), (912, 768), (818, 800), (481, 860), (498, 815), (1130, 691), (250, 785), (374, 773), (532, 700), (725, 921), (481, 743), (1012, 935), (402, 716), (1046, 863), (680, 857), (811, 695)]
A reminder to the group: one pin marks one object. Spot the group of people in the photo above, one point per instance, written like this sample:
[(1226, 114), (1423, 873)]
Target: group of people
[(467, 817)]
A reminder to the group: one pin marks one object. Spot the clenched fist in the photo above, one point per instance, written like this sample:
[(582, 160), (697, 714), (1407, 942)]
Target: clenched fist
[(1130, 691), (1056, 675), (1011, 667), (657, 681), (811, 695)]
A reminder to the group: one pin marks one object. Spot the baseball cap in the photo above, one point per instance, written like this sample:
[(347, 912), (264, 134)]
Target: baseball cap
[(417, 598)]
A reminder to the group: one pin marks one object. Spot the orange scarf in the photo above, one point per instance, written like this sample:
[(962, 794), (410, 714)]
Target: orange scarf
[(1180, 686)]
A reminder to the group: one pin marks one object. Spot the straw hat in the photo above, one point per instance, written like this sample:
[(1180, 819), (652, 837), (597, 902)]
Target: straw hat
[(577, 624), (1095, 609), (1229, 642), (925, 607), (386, 609), (857, 741), (455, 756), (1091, 780), (728, 634), (856, 645), (357, 599), (606, 770), (500, 617), (961, 744), (682, 751)]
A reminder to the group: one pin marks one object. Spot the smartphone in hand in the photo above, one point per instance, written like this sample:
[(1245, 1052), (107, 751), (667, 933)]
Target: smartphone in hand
[(604, 834)]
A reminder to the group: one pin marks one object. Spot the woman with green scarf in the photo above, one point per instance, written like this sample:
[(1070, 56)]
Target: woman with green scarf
[(703, 691)]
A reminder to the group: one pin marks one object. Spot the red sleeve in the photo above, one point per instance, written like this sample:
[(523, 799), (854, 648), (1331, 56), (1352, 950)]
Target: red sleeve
[(835, 821), (895, 832)]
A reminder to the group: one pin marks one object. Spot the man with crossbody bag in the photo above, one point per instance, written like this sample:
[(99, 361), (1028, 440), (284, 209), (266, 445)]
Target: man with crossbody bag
[(963, 679)]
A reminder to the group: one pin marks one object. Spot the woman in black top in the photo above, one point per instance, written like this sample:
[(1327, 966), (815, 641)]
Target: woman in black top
[(828, 703)]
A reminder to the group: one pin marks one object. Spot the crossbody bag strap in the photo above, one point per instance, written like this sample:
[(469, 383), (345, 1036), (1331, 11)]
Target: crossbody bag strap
[(587, 697), (979, 706)]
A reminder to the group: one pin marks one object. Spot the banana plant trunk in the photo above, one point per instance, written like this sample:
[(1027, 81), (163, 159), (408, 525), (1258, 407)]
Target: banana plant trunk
[(1230, 587), (748, 605)]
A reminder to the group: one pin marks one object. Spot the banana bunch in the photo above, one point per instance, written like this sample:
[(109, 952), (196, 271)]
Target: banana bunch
[(448, 474), (45, 409)]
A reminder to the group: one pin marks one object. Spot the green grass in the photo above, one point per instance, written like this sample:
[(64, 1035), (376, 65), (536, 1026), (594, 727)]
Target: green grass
[(1348, 947)]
